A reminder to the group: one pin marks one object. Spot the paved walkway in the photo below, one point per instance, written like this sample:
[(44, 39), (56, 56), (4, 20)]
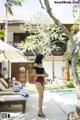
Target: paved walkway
[(54, 107)]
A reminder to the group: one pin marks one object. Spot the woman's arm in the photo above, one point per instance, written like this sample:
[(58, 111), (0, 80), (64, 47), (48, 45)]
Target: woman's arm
[(45, 74), (34, 75)]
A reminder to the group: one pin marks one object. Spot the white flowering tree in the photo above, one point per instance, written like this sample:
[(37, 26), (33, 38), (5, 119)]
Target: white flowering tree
[(43, 36)]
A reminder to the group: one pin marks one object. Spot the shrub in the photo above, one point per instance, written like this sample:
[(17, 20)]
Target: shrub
[(70, 84)]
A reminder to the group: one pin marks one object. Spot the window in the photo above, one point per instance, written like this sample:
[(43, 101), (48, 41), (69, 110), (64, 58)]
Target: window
[(18, 37), (62, 50)]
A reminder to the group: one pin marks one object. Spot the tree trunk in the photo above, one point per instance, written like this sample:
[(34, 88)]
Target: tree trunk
[(74, 54), (74, 70), (69, 34)]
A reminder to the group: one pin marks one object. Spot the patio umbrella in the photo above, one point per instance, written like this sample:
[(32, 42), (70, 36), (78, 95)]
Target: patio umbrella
[(10, 53), (12, 56), (5, 46)]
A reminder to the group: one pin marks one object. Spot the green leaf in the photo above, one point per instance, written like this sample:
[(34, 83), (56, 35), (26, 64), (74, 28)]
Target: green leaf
[(1, 34)]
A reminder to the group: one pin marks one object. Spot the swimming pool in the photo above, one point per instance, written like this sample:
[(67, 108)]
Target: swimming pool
[(68, 97), (68, 94)]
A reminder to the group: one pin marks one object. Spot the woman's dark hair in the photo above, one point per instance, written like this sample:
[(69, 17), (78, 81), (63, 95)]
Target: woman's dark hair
[(39, 58)]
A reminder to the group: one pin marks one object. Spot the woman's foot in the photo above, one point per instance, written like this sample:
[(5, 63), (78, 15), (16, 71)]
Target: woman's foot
[(42, 115)]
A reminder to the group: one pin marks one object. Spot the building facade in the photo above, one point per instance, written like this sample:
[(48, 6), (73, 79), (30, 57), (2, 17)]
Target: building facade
[(55, 65)]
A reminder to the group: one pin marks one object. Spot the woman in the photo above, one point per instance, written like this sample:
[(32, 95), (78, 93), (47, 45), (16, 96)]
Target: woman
[(40, 75)]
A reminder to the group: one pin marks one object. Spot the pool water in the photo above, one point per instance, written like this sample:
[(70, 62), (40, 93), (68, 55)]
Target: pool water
[(71, 95)]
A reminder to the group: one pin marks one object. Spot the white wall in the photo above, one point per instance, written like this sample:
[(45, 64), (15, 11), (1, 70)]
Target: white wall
[(58, 65), (13, 29), (49, 68)]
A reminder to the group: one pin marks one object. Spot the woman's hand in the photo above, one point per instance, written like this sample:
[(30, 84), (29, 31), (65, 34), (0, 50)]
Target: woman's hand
[(45, 75)]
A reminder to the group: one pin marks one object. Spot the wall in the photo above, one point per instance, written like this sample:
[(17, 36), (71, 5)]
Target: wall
[(53, 66), (59, 63), (58, 73), (13, 29), (49, 68)]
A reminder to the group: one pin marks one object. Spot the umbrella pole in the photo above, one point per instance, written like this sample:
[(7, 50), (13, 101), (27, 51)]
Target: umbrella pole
[(9, 70)]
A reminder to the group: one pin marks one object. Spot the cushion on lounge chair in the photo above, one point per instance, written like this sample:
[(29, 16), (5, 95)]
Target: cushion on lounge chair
[(4, 82), (17, 90), (2, 87), (5, 91), (8, 93)]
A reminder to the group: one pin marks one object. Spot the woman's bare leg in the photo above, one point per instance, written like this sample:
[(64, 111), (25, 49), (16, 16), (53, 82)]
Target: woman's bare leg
[(40, 89)]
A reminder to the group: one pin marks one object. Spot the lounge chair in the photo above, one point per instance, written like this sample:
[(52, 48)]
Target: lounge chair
[(5, 89), (13, 100), (9, 97)]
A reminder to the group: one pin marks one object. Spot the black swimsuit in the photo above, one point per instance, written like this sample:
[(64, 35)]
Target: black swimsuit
[(39, 70)]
